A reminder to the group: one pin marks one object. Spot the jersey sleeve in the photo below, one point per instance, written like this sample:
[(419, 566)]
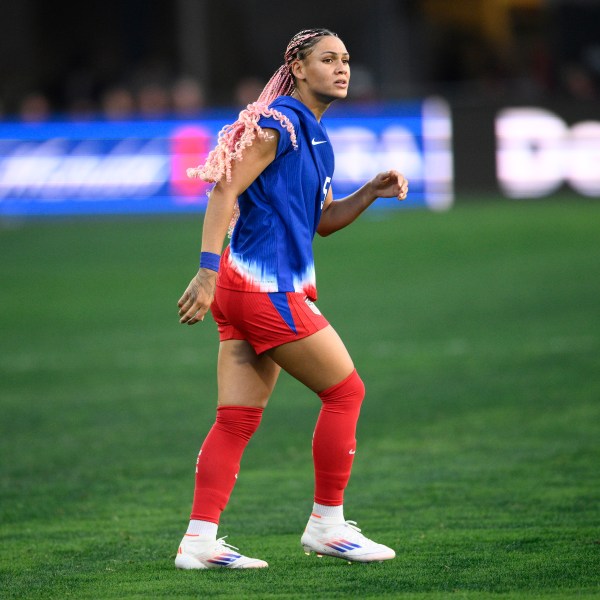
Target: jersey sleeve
[(285, 142)]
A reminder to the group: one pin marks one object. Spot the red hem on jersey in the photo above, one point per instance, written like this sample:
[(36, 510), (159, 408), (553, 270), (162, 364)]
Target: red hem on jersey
[(231, 278), (252, 316)]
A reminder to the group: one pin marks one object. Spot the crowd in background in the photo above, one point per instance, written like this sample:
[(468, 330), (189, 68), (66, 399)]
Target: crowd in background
[(184, 97), (451, 62), (150, 97)]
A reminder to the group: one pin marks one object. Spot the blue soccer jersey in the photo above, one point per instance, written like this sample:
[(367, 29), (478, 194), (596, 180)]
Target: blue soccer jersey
[(271, 244)]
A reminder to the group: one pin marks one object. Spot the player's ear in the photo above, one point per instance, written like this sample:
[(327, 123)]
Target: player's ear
[(297, 69)]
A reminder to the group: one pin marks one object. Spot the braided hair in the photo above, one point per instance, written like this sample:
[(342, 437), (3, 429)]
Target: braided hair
[(234, 138)]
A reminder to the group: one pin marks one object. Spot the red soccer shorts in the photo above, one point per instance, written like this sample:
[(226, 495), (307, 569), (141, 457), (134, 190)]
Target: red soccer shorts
[(265, 320)]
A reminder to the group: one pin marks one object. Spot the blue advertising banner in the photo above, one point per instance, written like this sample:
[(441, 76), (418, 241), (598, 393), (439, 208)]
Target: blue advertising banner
[(67, 168)]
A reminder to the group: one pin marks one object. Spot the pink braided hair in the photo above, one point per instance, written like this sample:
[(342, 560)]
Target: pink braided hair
[(234, 138)]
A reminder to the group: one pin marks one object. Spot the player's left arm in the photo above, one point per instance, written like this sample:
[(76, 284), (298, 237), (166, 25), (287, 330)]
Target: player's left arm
[(337, 215)]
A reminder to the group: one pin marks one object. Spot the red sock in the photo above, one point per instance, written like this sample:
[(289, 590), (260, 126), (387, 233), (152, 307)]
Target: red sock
[(219, 459), (334, 442)]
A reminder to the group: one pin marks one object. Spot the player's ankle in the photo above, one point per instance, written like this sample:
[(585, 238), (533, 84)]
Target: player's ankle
[(202, 529), (327, 515)]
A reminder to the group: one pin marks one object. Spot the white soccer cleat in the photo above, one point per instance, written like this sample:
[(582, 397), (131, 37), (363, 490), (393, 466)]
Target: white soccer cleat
[(196, 552), (342, 540)]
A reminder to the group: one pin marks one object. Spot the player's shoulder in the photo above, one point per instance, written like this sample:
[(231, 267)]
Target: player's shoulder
[(281, 115), (292, 105), (286, 106)]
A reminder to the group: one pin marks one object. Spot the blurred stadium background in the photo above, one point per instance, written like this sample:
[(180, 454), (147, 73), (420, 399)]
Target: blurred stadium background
[(470, 97), (477, 326)]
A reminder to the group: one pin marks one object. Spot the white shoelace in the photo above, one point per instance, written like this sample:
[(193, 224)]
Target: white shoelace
[(222, 542), (353, 525)]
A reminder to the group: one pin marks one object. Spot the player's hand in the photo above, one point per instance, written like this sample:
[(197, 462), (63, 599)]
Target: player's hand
[(390, 184), (198, 297)]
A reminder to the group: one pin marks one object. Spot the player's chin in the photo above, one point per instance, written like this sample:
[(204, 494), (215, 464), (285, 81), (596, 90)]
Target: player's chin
[(330, 95), (338, 93)]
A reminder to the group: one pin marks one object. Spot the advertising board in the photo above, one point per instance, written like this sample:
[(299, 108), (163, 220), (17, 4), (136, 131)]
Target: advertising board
[(140, 166)]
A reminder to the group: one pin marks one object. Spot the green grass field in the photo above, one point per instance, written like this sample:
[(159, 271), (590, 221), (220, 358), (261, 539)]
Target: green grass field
[(477, 333)]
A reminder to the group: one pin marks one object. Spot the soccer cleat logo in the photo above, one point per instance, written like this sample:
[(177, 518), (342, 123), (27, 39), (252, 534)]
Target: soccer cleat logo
[(224, 559), (342, 545)]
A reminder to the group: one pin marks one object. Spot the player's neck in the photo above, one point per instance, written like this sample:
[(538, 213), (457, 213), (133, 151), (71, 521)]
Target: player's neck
[(317, 105)]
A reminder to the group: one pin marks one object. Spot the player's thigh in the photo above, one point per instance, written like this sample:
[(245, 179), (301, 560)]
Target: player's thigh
[(244, 378), (318, 361)]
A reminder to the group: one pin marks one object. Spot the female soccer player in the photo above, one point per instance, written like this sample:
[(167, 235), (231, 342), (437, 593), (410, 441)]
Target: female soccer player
[(272, 171)]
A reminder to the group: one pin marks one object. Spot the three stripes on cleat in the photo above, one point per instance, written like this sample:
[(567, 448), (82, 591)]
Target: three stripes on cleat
[(342, 545)]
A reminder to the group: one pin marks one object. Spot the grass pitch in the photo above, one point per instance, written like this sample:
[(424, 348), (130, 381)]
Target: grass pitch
[(477, 333)]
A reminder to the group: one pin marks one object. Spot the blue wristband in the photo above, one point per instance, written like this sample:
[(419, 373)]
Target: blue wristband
[(210, 260)]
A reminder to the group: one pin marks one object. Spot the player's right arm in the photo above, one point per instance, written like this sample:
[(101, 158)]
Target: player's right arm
[(198, 296)]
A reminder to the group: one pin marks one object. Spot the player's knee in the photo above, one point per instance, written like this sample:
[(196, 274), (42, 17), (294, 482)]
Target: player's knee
[(240, 421), (349, 391)]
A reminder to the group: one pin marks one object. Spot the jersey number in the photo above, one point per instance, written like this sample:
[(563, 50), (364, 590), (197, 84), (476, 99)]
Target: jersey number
[(325, 189)]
